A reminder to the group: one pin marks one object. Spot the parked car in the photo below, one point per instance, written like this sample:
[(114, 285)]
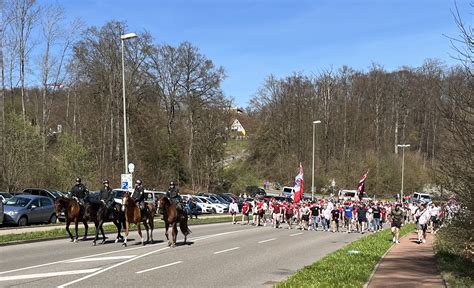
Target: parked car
[(52, 194), (26, 209), (4, 196), (1, 213), (288, 191), (255, 191), (206, 207), (217, 207), (421, 197)]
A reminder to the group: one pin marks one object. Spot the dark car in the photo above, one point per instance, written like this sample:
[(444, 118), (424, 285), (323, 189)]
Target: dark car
[(255, 191), (52, 194), (25, 209)]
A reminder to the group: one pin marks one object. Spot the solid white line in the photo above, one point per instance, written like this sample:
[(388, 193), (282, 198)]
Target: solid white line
[(268, 240), (101, 258), (45, 275), (226, 250), (112, 267), (296, 234), (159, 267)]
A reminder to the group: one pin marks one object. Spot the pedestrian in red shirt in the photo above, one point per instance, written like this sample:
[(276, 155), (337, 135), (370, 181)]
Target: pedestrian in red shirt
[(245, 212)]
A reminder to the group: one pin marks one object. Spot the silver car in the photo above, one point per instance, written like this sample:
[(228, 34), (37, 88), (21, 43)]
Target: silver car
[(25, 209)]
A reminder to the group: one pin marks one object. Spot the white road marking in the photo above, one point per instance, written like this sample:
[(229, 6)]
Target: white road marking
[(112, 267), (226, 250), (268, 240), (119, 251), (45, 275), (296, 234), (101, 258), (159, 267)]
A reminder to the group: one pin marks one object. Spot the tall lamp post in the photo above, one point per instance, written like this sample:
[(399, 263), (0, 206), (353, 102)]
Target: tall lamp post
[(403, 146), (125, 141), (312, 174)]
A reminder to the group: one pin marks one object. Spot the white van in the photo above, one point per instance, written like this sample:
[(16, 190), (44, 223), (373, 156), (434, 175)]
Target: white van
[(288, 192), (421, 197)]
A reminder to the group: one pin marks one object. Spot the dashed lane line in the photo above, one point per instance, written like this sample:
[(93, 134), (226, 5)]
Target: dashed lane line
[(268, 240), (296, 234), (159, 267), (226, 250)]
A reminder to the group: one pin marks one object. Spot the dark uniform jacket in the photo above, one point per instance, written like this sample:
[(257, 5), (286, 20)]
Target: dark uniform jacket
[(106, 194), (139, 194), (80, 191)]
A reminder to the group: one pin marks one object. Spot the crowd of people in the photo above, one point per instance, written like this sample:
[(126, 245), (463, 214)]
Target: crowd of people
[(337, 216)]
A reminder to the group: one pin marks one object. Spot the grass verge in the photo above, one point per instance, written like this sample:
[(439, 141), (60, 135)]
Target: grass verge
[(453, 257), (60, 232), (341, 269)]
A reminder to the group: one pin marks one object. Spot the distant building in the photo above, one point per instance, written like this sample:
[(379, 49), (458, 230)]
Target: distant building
[(237, 128)]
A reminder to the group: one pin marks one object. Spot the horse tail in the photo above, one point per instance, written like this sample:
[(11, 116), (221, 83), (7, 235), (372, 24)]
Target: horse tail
[(183, 225)]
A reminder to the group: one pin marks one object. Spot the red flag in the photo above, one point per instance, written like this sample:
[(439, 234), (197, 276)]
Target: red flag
[(361, 185), (299, 186)]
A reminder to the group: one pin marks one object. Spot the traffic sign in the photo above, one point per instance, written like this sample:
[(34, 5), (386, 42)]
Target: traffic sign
[(126, 181), (131, 167)]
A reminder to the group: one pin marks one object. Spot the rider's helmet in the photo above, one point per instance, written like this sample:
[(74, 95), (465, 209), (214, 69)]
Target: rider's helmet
[(78, 180), (172, 185), (105, 182), (138, 182)]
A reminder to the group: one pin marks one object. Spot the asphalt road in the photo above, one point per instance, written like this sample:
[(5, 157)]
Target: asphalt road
[(217, 255)]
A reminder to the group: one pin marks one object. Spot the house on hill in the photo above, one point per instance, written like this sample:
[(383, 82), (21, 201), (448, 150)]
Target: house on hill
[(241, 125)]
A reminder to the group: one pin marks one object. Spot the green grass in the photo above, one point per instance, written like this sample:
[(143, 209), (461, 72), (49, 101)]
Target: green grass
[(60, 232), (235, 147), (341, 269), (452, 257)]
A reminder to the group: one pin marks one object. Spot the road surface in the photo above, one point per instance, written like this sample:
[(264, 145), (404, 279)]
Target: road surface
[(217, 255)]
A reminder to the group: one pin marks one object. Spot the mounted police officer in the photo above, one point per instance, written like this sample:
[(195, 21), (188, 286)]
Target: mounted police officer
[(173, 195), (106, 197), (79, 191), (138, 195)]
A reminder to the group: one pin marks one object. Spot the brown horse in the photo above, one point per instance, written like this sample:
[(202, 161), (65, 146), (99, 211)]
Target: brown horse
[(73, 213), (133, 215), (172, 218)]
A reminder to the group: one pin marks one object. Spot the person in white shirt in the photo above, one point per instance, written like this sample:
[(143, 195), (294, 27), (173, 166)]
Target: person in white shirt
[(423, 216), (233, 210), (434, 212)]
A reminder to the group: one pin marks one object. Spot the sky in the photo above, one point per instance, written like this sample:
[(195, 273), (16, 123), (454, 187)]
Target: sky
[(255, 39)]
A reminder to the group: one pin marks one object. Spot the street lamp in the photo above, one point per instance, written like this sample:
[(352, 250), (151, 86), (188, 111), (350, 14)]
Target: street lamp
[(312, 174), (125, 142), (403, 146)]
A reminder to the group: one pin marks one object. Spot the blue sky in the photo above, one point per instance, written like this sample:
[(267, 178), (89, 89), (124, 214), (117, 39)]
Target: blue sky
[(253, 39)]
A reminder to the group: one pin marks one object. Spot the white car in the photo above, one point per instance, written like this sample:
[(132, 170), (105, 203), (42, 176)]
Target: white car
[(205, 206), (216, 206)]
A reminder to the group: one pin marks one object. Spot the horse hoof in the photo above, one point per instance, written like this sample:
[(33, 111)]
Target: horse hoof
[(124, 244), (72, 240), (173, 246), (143, 243), (75, 241), (102, 243), (84, 238), (94, 244), (116, 240)]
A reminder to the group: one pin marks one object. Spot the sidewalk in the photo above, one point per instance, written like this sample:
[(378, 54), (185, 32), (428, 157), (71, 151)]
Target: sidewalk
[(408, 264)]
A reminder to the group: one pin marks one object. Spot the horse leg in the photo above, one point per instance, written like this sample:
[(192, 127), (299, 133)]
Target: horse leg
[(175, 233), (140, 232), (97, 227), (147, 231), (152, 226), (68, 231), (167, 226), (118, 225), (76, 224), (86, 227), (103, 233), (126, 233)]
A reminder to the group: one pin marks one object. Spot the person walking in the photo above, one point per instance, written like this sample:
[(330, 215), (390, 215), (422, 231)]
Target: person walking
[(423, 217), (234, 210), (348, 217), (396, 216), (245, 212)]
